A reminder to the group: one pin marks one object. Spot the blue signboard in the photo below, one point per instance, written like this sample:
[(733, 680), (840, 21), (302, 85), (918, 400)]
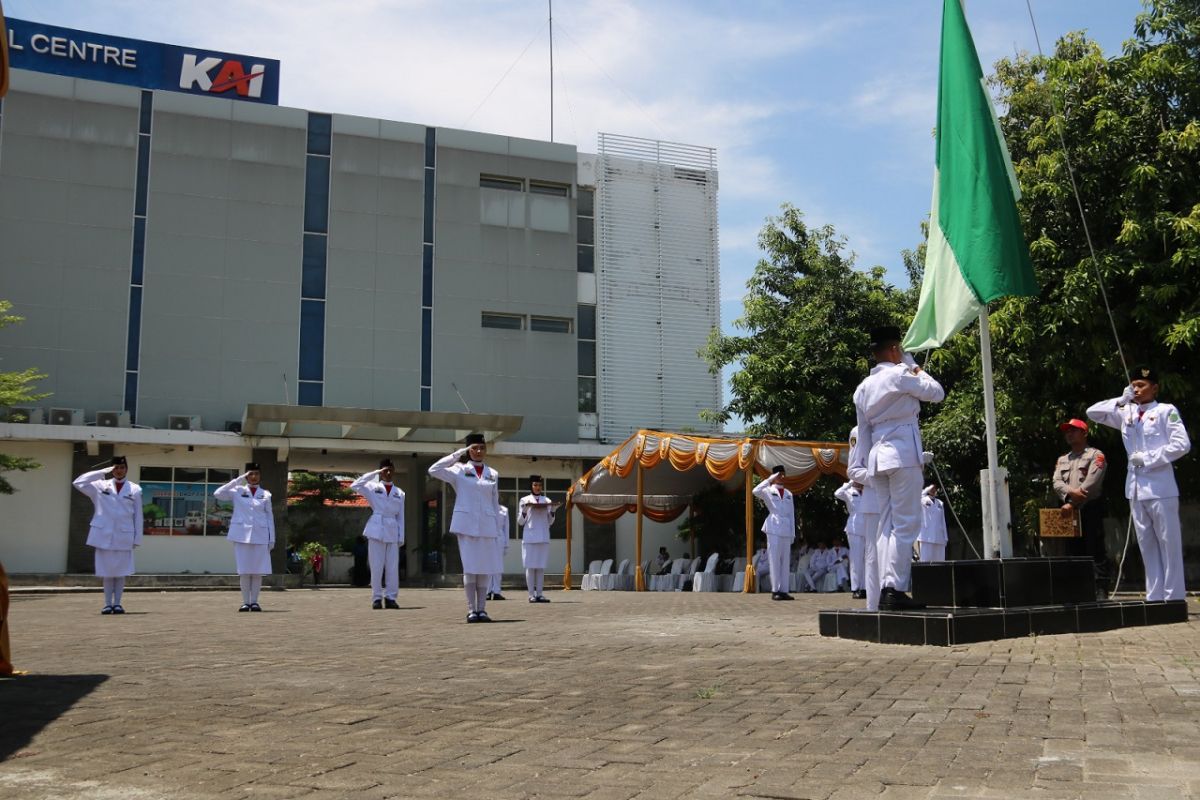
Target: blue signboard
[(148, 65)]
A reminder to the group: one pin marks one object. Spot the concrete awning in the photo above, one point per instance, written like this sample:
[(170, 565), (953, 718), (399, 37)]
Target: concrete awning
[(382, 425)]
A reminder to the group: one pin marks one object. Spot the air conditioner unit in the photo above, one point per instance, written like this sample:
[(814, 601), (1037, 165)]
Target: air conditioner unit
[(27, 415), (180, 422), (66, 416), (112, 419), (233, 426)]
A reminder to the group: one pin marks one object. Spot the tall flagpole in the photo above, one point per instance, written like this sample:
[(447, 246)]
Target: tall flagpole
[(997, 540)]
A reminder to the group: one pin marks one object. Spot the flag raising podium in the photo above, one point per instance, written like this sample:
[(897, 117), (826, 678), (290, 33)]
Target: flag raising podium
[(976, 251)]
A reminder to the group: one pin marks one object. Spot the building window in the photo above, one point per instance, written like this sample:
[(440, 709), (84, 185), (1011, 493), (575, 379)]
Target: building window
[(320, 134), (509, 322), (586, 203), (586, 231), (550, 324), (316, 195), (498, 182), (585, 226), (552, 189), (586, 314), (312, 340), (178, 501), (312, 280), (585, 258)]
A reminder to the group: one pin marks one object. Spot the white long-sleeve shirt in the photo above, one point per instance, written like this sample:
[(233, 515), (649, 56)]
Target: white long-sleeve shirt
[(386, 523), (1154, 430), (117, 520), (253, 521), (887, 404)]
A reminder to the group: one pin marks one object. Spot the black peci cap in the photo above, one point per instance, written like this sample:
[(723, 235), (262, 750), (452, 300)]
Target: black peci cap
[(535, 478), (778, 469), (118, 461), (386, 463), (252, 466), (1143, 372), (475, 438), (884, 336)]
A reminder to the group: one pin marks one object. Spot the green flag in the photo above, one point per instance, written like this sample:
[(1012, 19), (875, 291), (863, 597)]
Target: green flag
[(976, 252)]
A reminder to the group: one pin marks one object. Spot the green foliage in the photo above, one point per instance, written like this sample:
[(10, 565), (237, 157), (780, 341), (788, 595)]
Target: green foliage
[(808, 313), (313, 490), (310, 550), (15, 388), (719, 523)]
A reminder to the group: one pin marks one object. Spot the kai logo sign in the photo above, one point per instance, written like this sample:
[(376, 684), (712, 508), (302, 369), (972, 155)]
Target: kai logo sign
[(217, 76), (133, 62)]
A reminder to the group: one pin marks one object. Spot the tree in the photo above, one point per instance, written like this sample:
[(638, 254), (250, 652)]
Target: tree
[(807, 320), (1131, 125), (15, 388), (312, 491)]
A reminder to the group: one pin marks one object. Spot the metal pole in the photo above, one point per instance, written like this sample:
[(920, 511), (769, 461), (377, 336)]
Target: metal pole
[(639, 576), (567, 568), (550, 4), (994, 538), (749, 586)]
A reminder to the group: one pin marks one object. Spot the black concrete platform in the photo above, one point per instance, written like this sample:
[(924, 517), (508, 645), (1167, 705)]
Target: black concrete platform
[(1004, 583), (949, 626)]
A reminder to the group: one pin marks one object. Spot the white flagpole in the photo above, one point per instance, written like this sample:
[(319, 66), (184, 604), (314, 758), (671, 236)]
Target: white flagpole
[(996, 538)]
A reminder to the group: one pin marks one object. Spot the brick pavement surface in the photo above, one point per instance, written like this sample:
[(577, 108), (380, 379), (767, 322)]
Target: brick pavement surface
[(602, 696)]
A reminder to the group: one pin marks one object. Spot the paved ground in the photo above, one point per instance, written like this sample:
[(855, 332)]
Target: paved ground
[(596, 695)]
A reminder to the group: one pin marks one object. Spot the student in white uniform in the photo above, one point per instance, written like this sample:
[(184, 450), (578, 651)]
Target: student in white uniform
[(1154, 437), (116, 527), (839, 565), (818, 565), (502, 545), (252, 531), (850, 493), (474, 523), (384, 532), (780, 528), (932, 539), (887, 404), (534, 517)]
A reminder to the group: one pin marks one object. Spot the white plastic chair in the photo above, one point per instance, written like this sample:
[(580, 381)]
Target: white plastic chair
[(708, 580), (666, 583), (588, 581), (688, 574), (737, 577), (606, 579)]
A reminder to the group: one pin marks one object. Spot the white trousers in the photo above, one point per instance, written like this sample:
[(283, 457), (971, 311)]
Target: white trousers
[(858, 552), (932, 552), (876, 537), (779, 556), (813, 576), (534, 579), (475, 586), (494, 583), (384, 558), (899, 492), (1160, 539)]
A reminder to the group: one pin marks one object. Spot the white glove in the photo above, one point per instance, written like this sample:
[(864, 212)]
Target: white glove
[(1126, 397), (926, 457), (908, 360), (1138, 459)]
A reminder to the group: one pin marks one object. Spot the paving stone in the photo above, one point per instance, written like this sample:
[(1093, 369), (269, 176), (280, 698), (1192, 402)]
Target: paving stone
[(602, 696)]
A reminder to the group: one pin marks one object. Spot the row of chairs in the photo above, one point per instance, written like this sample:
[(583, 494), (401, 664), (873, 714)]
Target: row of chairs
[(600, 577)]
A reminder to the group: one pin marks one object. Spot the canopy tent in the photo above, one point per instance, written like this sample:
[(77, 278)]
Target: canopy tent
[(656, 474)]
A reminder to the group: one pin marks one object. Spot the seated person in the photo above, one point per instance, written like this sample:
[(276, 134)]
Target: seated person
[(818, 565), (662, 562)]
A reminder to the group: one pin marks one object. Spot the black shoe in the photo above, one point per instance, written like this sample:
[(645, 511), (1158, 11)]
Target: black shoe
[(497, 596), (255, 607), (859, 594), (542, 599), (776, 596), (108, 610), (118, 609), (482, 617), (488, 596), (376, 604), (785, 596), (473, 617), (390, 604), (893, 600), (245, 607), (534, 600)]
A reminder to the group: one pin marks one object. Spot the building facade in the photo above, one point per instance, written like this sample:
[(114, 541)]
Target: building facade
[(206, 281)]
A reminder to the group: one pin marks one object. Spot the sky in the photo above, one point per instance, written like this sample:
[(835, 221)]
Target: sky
[(825, 105)]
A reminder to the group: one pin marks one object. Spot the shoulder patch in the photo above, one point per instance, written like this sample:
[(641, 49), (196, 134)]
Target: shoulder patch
[(1173, 416), (1099, 459)]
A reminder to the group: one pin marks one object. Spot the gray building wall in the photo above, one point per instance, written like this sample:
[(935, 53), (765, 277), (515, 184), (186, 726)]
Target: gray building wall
[(67, 161), (224, 242)]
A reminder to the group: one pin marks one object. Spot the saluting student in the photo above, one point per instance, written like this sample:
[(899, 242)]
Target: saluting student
[(502, 546), (933, 538), (780, 528), (850, 493), (888, 456), (252, 531), (116, 526), (1154, 437), (475, 520), (384, 532), (535, 516)]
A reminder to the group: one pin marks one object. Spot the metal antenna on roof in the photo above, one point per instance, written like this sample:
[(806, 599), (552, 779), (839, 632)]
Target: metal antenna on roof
[(460, 397), (550, 4)]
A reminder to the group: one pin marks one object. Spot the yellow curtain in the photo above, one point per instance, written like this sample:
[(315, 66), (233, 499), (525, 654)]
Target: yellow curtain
[(602, 515)]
